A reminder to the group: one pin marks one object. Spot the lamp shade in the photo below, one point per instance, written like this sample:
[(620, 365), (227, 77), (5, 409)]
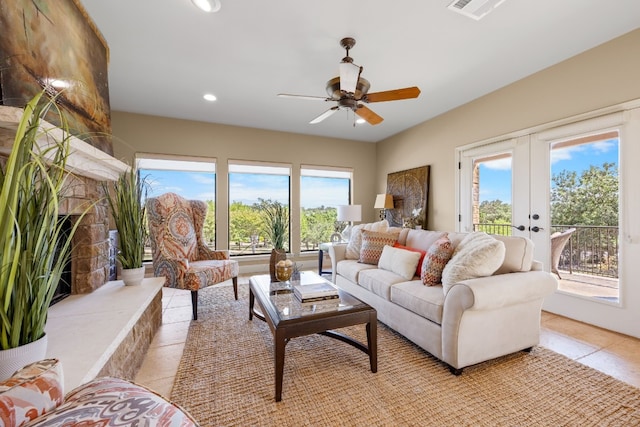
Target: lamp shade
[(384, 201), (350, 213)]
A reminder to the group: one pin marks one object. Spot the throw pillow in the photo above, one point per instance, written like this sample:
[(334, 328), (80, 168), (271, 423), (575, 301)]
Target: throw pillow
[(399, 261), (372, 245), (32, 391), (477, 255), (355, 241), (437, 256), (420, 251)]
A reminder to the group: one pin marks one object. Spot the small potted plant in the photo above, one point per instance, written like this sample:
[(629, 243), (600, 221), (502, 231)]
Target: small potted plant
[(126, 200), (31, 228), (276, 227)]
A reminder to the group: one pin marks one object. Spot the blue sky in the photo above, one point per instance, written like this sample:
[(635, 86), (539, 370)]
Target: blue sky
[(495, 176), (247, 188)]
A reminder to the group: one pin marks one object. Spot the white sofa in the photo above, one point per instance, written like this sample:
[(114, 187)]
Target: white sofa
[(478, 319)]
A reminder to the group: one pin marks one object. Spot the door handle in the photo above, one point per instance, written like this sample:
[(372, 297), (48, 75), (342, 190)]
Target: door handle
[(535, 228), (520, 227)]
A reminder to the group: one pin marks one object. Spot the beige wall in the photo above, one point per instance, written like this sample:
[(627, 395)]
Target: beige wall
[(149, 134), (603, 76)]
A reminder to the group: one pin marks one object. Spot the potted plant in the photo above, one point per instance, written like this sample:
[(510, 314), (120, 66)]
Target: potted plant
[(126, 200), (31, 189), (275, 222)]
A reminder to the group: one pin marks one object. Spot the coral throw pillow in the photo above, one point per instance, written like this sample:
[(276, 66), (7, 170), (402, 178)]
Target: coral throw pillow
[(420, 251), (436, 258), (372, 245)]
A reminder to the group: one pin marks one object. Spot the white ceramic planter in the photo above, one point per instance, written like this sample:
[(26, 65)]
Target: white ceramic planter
[(132, 276), (15, 358)]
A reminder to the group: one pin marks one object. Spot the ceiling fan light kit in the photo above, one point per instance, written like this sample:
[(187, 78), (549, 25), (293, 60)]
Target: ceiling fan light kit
[(350, 91), (209, 6)]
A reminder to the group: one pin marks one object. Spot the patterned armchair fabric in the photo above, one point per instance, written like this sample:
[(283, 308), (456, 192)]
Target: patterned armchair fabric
[(179, 251)]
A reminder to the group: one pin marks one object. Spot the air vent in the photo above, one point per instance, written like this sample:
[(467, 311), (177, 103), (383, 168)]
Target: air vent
[(475, 9)]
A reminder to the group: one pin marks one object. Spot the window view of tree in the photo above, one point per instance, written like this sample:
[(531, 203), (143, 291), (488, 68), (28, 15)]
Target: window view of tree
[(321, 191), (254, 190), (492, 194)]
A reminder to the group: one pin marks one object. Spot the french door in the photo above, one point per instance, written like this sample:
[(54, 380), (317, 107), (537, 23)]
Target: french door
[(560, 181)]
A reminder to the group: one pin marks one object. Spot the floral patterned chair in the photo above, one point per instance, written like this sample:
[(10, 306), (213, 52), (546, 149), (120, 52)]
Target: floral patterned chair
[(179, 251)]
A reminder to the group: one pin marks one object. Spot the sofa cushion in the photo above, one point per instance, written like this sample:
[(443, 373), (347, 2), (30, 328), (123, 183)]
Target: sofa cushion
[(435, 260), (350, 269), (372, 245), (111, 401), (31, 392), (355, 241), (420, 251), (518, 254), (477, 255), (379, 281), (400, 261), (426, 301), (422, 239)]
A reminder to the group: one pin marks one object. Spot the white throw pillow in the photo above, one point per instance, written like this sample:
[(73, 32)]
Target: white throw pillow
[(399, 261), (477, 255)]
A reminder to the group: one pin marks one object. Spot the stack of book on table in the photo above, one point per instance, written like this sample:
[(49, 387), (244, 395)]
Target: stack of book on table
[(315, 292)]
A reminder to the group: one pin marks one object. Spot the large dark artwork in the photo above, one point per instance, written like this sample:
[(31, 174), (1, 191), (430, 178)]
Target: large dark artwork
[(410, 190), (53, 44)]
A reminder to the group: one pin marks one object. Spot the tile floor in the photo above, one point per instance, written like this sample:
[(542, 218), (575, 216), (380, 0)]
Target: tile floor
[(615, 354)]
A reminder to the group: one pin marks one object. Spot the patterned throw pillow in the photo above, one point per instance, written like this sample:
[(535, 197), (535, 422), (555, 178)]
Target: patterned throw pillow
[(355, 241), (438, 254), (372, 245), (32, 391), (422, 254)]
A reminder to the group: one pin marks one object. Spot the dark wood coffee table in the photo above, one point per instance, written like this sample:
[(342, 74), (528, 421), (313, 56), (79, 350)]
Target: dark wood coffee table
[(288, 318)]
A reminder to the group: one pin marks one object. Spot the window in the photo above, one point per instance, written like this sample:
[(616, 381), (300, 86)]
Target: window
[(492, 194), (191, 178), (252, 186), (321, 191)]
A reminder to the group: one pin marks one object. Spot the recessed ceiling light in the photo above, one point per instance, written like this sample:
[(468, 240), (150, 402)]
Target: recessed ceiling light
[(208, 5), (209, 97)]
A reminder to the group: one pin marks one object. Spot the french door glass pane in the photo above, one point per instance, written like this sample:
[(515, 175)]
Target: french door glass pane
[(492, 194)]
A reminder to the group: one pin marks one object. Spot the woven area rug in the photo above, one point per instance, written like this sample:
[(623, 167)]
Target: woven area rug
[(226, 378)]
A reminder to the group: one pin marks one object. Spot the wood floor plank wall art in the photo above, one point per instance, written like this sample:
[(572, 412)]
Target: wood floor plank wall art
[(226, 378)]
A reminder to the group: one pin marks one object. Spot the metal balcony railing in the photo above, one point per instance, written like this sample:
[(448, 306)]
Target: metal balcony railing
[(592, 250)]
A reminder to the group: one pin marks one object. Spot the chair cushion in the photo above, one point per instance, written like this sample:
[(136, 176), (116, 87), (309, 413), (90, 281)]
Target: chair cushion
[(115, 402), (372, 245), (31, 392), (210, 272), (477, 255)]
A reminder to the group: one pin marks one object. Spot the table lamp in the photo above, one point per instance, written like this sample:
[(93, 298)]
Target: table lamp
[(383, 202), (349, 213)]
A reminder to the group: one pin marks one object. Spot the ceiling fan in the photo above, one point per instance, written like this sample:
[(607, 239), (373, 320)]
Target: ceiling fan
[(350, 91)]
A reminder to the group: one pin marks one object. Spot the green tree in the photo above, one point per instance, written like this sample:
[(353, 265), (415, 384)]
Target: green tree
[(316, 226), (209, 227), (495, 212), (244, 222), (588, 199)]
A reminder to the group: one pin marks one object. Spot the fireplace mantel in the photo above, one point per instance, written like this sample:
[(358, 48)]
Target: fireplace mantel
[(85, 160)]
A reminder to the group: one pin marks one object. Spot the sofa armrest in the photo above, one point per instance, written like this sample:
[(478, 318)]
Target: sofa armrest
[(337, 253), (507, 289)]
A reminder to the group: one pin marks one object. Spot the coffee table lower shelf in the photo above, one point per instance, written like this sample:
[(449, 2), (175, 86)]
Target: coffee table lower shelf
[(323, 323)]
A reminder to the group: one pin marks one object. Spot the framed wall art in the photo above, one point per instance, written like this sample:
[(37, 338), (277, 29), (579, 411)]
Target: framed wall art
[(410, 191), (54, 45)]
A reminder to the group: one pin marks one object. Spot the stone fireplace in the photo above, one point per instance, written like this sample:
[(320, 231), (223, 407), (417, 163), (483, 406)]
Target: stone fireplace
[(88, 167)]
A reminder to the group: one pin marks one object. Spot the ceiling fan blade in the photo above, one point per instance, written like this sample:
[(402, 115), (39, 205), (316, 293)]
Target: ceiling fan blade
[(393, 95), (371, 117), (324, 115), (311, 98), (349, 75)]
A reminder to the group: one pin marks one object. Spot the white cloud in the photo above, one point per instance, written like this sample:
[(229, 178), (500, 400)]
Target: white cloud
[(499, 164)]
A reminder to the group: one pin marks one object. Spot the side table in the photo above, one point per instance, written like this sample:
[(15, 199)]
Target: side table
[(322, 247)]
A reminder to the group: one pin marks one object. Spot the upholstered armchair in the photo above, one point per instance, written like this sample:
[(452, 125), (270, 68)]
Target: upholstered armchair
[(179, 251)]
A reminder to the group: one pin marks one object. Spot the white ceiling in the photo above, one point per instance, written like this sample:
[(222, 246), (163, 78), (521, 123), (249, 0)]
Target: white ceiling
[(165, 54)]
